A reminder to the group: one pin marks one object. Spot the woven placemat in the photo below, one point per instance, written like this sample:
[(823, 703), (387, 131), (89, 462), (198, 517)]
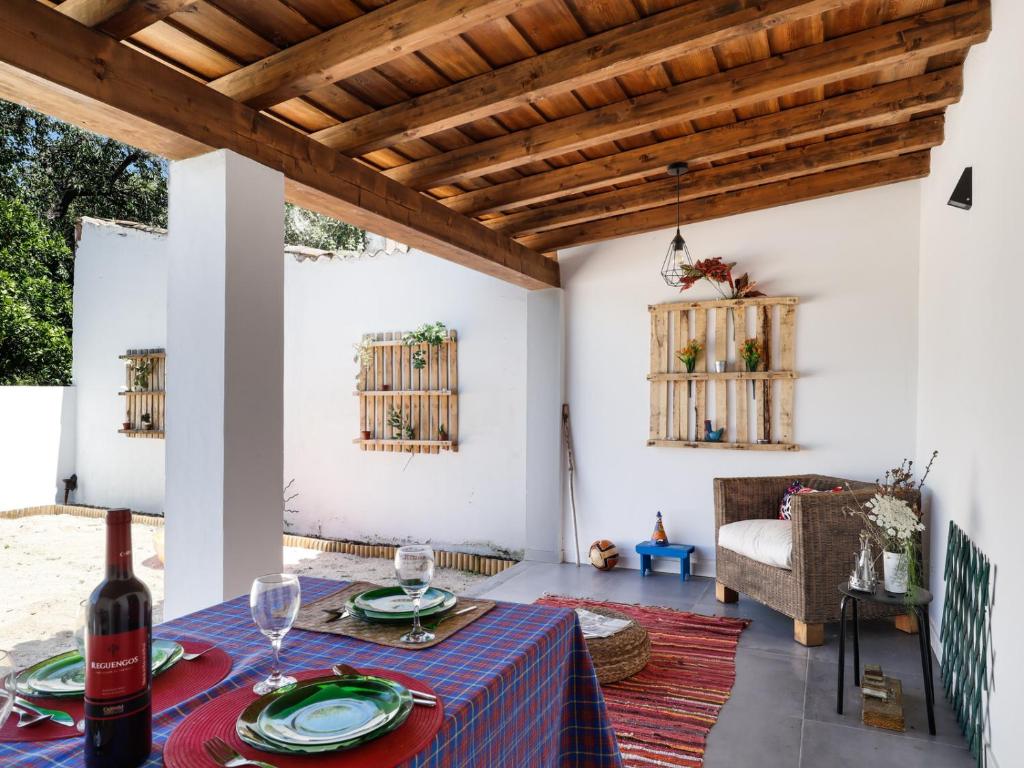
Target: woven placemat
[(313, 618)]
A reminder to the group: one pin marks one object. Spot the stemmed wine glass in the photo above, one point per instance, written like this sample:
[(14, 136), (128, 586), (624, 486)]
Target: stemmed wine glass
[(414, 566), (7, 689), (274, 601)]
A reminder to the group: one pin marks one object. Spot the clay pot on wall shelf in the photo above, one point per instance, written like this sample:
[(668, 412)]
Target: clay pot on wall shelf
[(365, 434), (385, 387), (126, 425)]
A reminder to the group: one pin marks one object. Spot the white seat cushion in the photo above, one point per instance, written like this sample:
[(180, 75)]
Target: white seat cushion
[(767, 541)]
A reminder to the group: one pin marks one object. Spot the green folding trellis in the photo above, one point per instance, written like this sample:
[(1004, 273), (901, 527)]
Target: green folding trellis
[(964, 635)]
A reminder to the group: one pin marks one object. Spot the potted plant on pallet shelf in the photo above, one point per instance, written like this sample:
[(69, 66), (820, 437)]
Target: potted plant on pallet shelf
[(140, 374), (147, 422), (126, 425), (364, 355), (688, 354), (432, 334), (896, 525)]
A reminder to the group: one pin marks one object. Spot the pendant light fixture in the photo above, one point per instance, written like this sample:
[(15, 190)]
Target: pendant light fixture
[(678, 254)]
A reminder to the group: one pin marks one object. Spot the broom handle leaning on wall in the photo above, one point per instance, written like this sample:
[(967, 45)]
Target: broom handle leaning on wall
[(567, 432)]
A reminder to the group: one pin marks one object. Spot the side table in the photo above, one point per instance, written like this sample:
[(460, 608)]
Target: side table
[(918, 601), (648, 549)]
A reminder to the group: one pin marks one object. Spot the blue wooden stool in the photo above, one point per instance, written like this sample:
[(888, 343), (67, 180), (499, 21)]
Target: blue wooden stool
[(648, 549)]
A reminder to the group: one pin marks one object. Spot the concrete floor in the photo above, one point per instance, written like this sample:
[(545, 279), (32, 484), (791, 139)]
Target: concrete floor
[(782, 711)]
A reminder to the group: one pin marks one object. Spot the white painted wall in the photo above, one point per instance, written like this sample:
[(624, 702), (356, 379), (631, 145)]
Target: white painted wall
[(37, 445), (969, 393), (119, 304), (852, 260), (474, 498)]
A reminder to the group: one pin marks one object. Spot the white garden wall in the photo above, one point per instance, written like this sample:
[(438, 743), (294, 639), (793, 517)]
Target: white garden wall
[(851, 259), (37, 445), (971, 367), (120, 303)]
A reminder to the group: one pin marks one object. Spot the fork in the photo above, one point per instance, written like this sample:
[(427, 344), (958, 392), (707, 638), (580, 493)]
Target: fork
[(27, 717), (222, 754), (419, 697)]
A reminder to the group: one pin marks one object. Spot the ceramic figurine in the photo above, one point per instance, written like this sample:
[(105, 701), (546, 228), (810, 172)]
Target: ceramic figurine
[(659, 537), (712, 435)]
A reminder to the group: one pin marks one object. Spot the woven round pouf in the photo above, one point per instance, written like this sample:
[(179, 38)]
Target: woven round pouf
[(623, 654)]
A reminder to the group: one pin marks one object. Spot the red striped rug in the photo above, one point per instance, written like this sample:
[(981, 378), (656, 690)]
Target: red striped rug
[(662, 715)]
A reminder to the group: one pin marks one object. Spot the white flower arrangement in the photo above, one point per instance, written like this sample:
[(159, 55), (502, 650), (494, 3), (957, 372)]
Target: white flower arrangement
[(896, 518)]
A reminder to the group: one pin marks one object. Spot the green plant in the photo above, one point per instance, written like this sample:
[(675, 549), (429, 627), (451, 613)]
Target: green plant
[(750, 351), (688, 354), (140, 372), (147, 419), (364, 353), (400, 428), (434, 334)]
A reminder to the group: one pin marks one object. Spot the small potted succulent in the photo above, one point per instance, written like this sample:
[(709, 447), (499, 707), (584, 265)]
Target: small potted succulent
[(442, 433), (688, 354), (126, 425), (147, 421)]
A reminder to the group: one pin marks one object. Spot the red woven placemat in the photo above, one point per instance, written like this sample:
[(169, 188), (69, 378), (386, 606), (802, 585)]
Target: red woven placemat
[(217, 718), (182, 681)]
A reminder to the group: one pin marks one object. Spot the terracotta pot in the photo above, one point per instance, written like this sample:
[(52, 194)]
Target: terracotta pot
[(385, 387), (365, 434), (126, 425)]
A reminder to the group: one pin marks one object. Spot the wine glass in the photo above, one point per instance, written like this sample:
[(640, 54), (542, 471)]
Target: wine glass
[(7, 689), (414, 566), (274, 601)]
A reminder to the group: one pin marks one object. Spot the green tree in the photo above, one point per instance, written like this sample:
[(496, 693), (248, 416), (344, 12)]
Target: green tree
[(314, 230), (35, 299)]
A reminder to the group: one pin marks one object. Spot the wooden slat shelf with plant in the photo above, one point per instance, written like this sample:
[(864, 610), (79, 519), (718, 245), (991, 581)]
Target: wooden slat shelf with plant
[(143, 393), (718, 368), (407, 385)]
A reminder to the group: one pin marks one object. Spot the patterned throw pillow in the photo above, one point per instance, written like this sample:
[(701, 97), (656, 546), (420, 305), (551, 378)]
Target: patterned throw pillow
[(796, 487)]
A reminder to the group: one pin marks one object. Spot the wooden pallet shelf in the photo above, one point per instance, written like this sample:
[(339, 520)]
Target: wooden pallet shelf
[(427, 398), (755, 408), (403, 392), (728, 446), (148, 400)]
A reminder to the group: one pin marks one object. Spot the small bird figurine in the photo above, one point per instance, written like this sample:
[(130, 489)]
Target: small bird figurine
[(712, 435)]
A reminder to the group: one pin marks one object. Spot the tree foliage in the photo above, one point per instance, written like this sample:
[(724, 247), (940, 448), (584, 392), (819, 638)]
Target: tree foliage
[(35, 299), (303, 227)]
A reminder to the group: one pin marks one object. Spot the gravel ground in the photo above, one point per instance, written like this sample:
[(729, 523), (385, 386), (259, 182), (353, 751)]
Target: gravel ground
[(50, 563)]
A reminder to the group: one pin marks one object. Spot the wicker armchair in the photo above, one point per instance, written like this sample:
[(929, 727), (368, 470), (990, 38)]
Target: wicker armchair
[(824, 542)]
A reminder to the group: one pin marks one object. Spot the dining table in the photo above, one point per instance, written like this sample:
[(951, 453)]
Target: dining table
[(517, 685)]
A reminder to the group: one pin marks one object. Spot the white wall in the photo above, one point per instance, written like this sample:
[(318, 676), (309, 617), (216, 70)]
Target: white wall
[(852, 260), (37, 445), (474, 498), (119, 304), (971, 369)]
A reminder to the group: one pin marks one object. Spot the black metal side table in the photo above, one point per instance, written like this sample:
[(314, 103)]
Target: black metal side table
[(917, 601)]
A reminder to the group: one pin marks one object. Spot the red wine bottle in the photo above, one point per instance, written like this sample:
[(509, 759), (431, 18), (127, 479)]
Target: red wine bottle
[(118, 671)]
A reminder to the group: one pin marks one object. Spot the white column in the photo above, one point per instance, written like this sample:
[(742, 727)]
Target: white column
[(545, 339), (225, 350)]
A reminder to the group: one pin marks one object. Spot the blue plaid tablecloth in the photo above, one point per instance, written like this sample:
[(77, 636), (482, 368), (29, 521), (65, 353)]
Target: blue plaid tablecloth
[(518, 686)]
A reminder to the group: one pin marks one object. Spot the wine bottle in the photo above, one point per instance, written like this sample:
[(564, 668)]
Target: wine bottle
[(118, 652)]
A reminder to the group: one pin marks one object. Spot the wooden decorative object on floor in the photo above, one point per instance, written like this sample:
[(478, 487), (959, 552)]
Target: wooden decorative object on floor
[(680, 401), (145, 375), (885, 713), (425, 399), (623, 654)]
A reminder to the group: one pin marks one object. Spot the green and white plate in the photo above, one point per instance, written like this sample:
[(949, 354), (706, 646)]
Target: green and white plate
[(325, 714), (64, 675), (447, 603), (394, 601)]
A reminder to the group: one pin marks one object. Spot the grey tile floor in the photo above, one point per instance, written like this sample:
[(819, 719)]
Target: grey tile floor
[(782, 710)]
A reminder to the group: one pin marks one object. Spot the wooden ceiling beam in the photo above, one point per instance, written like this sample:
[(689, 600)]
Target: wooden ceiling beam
[(878, 144), (77, 73), (889, 103), (643, 43), (121, 18), (368, 41), (950, 28), (863, 176)]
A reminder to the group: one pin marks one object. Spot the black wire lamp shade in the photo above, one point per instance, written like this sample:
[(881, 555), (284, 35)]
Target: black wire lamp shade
[(678, 255)]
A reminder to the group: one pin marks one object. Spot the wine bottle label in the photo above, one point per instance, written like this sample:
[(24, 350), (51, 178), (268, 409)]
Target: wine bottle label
[(118, 666)]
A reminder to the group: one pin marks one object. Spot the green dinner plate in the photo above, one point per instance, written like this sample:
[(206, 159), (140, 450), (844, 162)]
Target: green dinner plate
[(325, 714), (394, 602), (64, 675), (377, 617)]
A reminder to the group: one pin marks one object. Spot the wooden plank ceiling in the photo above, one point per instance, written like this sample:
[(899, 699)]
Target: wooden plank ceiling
[(551, 122)]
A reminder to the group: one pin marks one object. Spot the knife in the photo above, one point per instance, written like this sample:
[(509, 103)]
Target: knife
[(61, 718), (335, 615)]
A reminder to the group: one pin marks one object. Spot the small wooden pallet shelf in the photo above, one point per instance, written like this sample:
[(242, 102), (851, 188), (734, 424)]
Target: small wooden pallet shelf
[(427, 398), (147, 400), (754, 407)]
